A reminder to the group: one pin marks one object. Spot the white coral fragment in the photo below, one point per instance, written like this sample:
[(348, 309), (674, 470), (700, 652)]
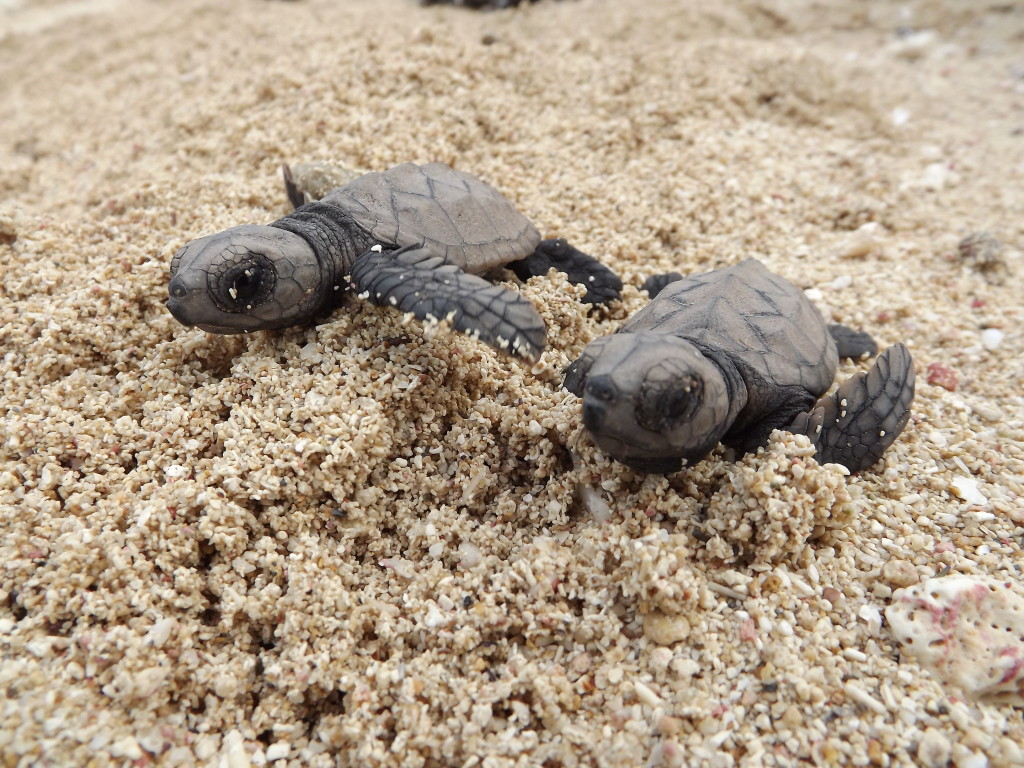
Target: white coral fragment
[(967, 630), (598, 508)]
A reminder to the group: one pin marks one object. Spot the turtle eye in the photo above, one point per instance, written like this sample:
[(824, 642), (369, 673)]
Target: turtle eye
[(664, 404), (245, 284)]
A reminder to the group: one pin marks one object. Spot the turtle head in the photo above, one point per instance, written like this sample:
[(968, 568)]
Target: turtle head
[(651, 400), (247, 278)]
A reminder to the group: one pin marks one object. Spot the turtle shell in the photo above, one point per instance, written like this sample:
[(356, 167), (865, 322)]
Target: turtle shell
[(458, 217), (764, 322)]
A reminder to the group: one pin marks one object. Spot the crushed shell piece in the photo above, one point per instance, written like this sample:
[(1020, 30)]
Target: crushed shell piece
[(598, 508), (967, 489), (967, 630)]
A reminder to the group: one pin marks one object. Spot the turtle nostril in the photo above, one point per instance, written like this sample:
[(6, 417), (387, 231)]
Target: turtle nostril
[(601, 388), (176, 289)]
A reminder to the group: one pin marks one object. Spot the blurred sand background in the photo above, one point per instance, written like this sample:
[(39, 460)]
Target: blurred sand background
[(351, 545)]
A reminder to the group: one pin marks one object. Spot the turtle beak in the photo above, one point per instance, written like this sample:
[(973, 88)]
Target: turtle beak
[(593, 415), (189, 303)]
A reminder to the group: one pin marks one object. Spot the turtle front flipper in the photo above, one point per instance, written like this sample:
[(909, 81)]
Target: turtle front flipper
[(602, 284), (296, 195), (576, 373), (413, 280), (854, 425)]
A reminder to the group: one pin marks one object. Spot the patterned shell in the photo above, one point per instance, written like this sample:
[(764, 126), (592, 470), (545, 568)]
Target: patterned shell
[(457, 216), (762, 320)]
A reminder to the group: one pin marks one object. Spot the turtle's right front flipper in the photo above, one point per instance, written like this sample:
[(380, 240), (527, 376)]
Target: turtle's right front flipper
[(415, 281), (854, 425)]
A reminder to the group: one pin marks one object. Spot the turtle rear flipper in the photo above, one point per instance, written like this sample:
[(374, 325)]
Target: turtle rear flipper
[(854, 425), (655, 284), (601, 283), (852, 344), (413, 280)]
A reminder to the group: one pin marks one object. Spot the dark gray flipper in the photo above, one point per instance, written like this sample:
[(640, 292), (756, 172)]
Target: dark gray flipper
[(291, 187), (576, 373), (854, 425), (602, 284), (414, 281), (852, 344), (655, 284)]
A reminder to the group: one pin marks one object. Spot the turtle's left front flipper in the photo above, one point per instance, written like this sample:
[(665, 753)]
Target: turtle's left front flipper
[(601, 283), (417, 282), (854, 425)]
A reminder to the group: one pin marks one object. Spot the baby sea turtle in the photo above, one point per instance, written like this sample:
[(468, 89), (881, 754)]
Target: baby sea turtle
[(728, 356), (414, 237)]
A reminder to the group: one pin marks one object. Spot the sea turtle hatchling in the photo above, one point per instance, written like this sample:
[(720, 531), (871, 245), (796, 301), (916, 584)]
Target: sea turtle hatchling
[(728, 356), (414, 237)]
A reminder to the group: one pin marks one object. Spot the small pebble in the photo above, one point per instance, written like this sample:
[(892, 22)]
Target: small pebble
[(842, 283), (233, 754), (434, 618), (814, 294), (915, 44), (971, 760), (900, 573), (278, 750), (831, 594), (858, 244), (665, 630), (941, 375), (646, 696), (310, 353), (871, 616), (595, 505), (580, 663), (933, 750), (863, 698), (126, 747), (792, 717), (936, 176), (469, 554), (985, 253), (669, 726), (988, 411), (991, 338)]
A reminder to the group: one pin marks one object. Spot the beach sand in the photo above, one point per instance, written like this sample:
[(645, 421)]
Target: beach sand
[(352, 545)]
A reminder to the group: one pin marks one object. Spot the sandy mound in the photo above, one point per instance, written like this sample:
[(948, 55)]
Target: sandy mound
[(350, 544)]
